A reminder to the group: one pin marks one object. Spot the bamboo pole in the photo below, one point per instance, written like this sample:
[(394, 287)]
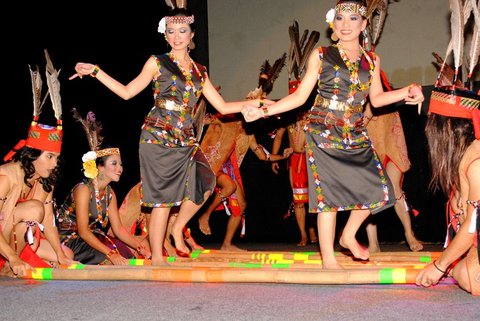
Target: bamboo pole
[(284, 264), (423, 257), (240, 275)]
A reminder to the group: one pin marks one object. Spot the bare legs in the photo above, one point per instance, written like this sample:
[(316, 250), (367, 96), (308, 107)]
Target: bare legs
[(187, 211), (227, 187), (234, 222), (373, 246), (326, 229), (400, 208), (157, 227), (301, 222)]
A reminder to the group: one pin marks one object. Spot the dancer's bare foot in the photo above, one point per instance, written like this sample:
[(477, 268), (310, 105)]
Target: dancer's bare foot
[(358, 251), (159, 262), (303, 242), (203, 224), (231, 247), (414, 244), (313, 236), (331, 265)]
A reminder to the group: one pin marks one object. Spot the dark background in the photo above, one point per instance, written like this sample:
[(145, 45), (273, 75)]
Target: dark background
[(120, 37)]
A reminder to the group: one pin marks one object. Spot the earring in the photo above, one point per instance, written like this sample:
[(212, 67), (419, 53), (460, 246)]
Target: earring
[(191, 44), (366, 42)]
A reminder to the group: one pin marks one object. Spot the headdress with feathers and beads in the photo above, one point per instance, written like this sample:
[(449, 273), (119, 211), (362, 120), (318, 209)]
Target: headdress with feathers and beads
[(92, 130), (40, 136)]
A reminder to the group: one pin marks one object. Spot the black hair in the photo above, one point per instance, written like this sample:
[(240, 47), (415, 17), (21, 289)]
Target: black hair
[(26, 156), (448, 139)]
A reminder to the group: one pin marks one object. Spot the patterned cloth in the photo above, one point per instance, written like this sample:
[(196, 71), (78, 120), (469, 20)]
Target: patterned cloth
[(173, 168), (344, 172), (98, 224), (298, 168)]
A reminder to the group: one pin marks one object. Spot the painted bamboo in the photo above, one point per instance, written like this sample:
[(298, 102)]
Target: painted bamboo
[(424, 257), (240, 275)]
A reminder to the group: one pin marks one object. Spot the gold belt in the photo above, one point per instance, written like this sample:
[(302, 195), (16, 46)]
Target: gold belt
[(337, 105), (170, 105)]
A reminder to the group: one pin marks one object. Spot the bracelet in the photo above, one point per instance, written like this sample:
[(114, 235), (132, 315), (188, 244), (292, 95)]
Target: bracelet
[(265, 111), (112, 252), (440, 270), (95, 71)]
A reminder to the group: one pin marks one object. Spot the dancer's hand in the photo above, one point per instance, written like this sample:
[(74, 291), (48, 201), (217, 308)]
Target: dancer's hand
[(143, 251), (275, 167), (251, 113), (83, 69), (287, 152), (415, 96), (19, 267), (429, 276)]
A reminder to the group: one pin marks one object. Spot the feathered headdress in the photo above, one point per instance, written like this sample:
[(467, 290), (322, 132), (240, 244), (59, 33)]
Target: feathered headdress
[(176, 4), (40, 136), (452, 100), (300, 49), (179, 4), (268, 75), (92, 130), (376, 14)]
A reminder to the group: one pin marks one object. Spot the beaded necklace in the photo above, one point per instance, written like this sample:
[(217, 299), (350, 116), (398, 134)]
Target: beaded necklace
[(355, 83), (98, 202), (189, 84)]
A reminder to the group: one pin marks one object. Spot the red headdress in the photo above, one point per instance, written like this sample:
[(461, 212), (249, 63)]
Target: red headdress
[(451, 100), (40, 136)]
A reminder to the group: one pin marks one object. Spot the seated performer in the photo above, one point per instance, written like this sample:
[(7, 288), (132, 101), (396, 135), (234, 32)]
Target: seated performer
[(27, 183), (91, 208)]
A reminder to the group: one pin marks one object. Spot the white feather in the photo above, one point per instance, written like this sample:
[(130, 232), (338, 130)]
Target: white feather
[(53, 86), (457, 27), (37, 91)]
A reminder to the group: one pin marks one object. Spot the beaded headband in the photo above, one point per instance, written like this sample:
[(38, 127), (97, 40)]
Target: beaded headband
[(348, 7), (108, 152), (92, 128), (162, 25), (351, 7), (180, 19)]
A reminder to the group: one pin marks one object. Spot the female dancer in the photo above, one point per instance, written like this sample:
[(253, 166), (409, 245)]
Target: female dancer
[(173, 168), (344, 172)]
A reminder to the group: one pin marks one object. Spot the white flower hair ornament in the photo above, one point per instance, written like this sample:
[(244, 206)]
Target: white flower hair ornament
[(89, 156), (330, 16), (162, 25), (89, 165)]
